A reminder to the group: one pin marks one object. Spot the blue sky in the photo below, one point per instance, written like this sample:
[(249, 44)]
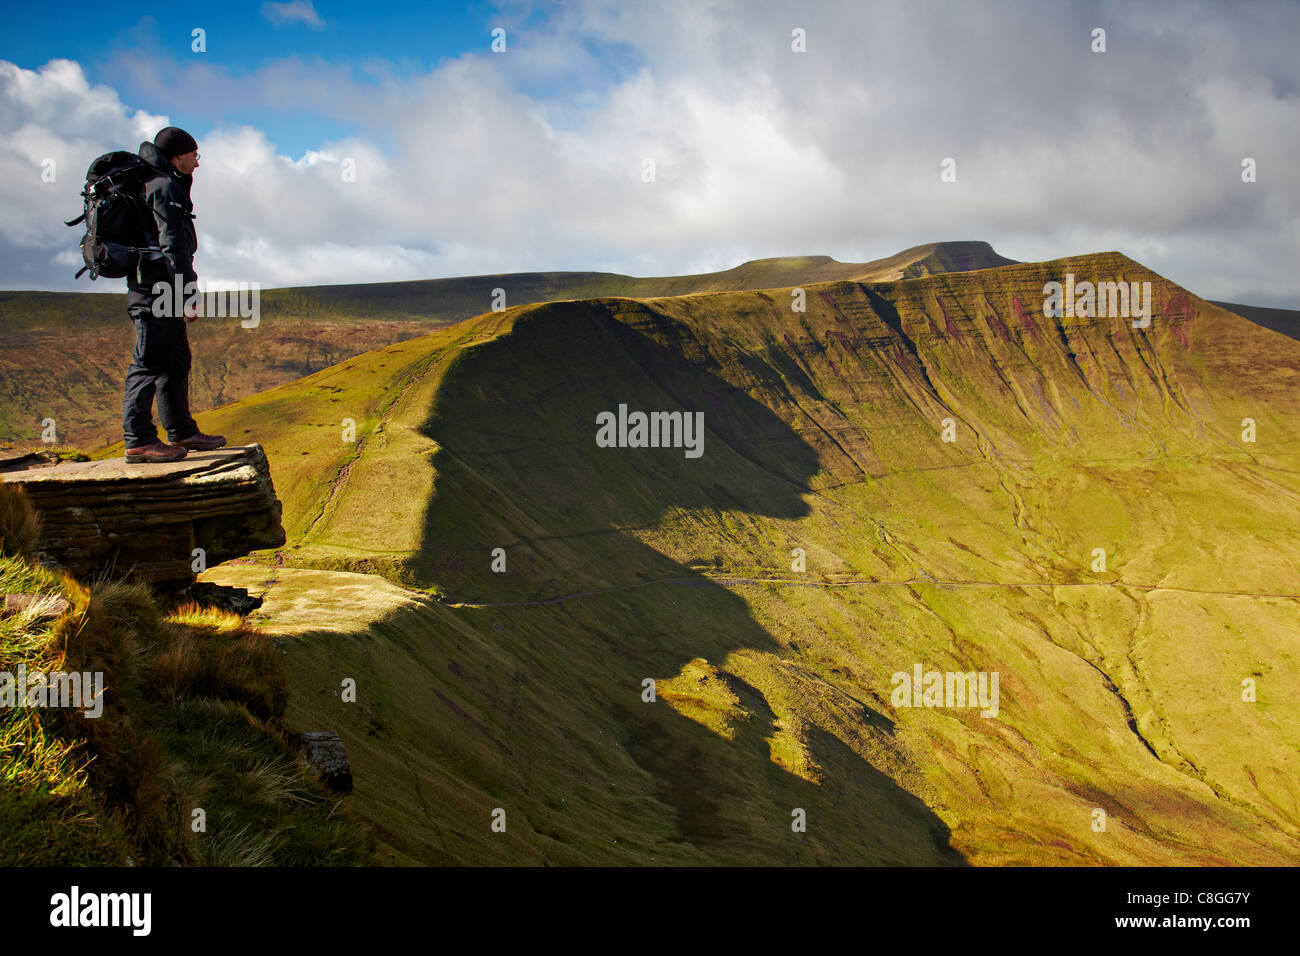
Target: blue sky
[(406, 38), (470, 162)]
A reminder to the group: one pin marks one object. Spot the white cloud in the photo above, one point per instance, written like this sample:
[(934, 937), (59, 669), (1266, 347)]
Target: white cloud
[(758, 151), (54, 116), (294, 11)]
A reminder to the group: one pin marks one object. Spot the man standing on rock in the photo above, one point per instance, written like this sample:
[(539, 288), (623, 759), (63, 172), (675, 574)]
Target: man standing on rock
[(160, 364)]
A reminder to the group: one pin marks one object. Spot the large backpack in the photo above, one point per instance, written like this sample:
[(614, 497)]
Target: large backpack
[(117, 222)]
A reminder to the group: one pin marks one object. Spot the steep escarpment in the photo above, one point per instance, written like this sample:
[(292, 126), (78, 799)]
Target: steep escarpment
[(930, 472)]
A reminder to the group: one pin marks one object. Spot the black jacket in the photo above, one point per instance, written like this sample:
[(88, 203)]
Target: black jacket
[(167, 195)]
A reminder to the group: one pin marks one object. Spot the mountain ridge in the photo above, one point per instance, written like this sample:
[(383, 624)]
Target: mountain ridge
[(300, 330), (822, 434)]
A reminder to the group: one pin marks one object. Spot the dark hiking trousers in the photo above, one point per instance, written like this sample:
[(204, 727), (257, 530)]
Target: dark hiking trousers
[(160, 368)]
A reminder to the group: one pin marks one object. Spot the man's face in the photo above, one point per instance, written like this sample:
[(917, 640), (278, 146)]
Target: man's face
[(186, 162)]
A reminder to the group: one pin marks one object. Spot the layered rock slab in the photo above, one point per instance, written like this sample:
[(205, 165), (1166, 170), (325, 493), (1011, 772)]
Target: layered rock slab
[(144, 522)]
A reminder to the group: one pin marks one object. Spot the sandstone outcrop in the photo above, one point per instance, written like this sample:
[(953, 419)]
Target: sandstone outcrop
[(144, 522)]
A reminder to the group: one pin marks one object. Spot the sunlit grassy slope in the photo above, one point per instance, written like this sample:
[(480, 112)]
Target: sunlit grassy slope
[(1121, 690), (176, 754), (63, 356), (1286, 321)]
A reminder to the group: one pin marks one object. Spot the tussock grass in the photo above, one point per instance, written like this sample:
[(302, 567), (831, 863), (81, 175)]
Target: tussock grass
[(191, 720), (17, 522)]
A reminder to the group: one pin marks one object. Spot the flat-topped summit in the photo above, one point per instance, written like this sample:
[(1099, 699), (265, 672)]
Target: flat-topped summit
[(929, 259)]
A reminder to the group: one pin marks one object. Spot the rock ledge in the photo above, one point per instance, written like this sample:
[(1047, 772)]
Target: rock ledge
[(143, 522)]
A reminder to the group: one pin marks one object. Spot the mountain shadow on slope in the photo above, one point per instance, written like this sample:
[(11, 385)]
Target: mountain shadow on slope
[(588, 610)]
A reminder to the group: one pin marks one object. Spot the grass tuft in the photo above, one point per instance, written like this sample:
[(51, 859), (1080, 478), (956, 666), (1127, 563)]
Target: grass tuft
[(188, 761), (18, 522)]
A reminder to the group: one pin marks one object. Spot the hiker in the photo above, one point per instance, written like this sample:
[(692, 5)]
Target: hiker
[(160, 364)]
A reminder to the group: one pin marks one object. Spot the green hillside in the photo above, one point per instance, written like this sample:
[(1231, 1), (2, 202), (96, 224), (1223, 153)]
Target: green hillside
[(64, 355), (1121, 689)]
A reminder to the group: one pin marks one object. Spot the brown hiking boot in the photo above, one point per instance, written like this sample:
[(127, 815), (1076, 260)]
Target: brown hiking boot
[(158, 451), (201, 442)]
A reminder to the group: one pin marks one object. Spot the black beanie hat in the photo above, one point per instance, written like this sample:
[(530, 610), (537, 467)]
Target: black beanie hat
[(174, 141)]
